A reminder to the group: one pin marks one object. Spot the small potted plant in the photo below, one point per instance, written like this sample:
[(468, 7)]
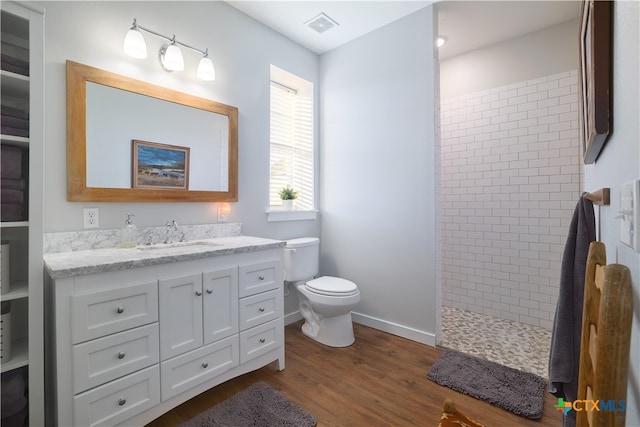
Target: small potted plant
[(288, 195)]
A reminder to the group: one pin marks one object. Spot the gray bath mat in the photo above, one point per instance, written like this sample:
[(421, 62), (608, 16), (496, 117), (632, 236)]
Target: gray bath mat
[(519, 392), (257, 406)]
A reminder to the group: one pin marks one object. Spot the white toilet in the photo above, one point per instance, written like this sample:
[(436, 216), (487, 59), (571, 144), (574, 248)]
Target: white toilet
[(325, 302)]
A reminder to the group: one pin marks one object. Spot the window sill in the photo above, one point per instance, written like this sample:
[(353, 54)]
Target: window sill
[(275, 214)]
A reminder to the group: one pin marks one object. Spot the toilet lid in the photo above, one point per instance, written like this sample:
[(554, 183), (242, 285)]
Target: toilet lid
[(328, 285)]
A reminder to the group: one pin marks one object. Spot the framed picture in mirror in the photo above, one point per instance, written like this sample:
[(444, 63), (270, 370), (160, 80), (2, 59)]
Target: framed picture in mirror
[(160, 166), (595, 77)]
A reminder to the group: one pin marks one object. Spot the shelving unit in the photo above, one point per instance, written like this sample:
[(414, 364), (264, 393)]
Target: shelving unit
[(22, 31)]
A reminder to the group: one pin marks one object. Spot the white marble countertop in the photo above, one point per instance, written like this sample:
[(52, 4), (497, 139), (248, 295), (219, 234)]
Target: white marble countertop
[(76, 263)]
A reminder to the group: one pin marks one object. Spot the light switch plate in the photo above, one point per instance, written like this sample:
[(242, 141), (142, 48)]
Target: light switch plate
[(629, 214)]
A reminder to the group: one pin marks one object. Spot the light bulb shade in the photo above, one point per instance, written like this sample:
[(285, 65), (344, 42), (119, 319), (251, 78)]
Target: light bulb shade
[(134, 44), (205, 69), (171, 58)]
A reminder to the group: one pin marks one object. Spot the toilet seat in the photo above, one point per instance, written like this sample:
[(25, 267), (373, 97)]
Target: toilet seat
[(331, 286)]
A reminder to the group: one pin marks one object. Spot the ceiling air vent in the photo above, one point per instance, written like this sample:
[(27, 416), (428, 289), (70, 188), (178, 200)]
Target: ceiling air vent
[(321, 23)]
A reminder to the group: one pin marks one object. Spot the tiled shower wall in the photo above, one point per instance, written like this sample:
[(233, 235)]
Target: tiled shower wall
[(511, 176)]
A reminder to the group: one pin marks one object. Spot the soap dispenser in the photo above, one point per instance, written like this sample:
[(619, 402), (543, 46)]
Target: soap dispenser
[(129, 238)]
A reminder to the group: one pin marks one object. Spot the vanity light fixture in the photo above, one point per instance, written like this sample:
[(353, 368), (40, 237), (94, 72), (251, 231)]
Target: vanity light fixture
[(440, 41), (170, 54), (171, 57)]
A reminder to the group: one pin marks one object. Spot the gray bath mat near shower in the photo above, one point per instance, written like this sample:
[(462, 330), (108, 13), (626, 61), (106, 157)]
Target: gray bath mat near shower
[(256, 406), (519, 392)]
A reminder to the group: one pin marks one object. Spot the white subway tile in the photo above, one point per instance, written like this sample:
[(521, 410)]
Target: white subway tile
[(509, 186)]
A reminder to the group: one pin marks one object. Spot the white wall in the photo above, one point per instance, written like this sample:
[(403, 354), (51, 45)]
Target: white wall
[(542, 53), (377, 164), (510, 169), (242, 50), (619, 162)]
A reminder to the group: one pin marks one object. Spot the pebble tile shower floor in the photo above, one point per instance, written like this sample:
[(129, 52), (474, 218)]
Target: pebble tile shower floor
[(509, 343)]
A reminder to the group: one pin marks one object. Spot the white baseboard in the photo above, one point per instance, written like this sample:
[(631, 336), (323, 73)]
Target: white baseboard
[(403, 331), (381, 325), (292, 318)]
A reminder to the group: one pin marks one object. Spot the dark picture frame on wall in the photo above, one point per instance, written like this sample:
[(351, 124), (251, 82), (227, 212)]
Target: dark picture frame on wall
[(595, 77)]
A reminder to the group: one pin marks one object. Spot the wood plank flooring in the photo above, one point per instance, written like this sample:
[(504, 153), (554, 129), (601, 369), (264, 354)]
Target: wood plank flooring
[(378, 381)]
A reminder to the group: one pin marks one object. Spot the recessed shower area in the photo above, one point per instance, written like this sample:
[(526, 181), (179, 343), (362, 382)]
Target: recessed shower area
[(510, 176)]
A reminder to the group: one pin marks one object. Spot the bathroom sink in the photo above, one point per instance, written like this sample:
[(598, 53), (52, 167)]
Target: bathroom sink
[(177, 245)]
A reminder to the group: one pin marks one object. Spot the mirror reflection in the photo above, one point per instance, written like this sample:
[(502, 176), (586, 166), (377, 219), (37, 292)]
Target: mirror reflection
[(115, 117)]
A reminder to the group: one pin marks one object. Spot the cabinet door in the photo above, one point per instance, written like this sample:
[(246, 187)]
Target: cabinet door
[(180, 315), (220, 304)]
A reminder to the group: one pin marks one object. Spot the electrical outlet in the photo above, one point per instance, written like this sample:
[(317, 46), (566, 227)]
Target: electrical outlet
[(91, 218)]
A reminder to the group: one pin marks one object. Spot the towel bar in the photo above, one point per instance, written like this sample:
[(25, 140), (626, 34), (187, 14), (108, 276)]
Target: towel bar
[(600, 197)]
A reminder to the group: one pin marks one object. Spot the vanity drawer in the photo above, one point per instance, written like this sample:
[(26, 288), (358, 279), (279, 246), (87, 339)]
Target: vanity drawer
[(102, 313), (188, 370), (260, 340), (104, 359), (256, 278), (119, 400), (261, 308)]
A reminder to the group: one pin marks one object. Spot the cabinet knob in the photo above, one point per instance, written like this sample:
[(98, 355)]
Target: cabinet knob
[(120, 355), (120, 310), (261, 309), (198, 293), (209, 291), (260, 277), (262, 340), (122, 401), (205, 365)]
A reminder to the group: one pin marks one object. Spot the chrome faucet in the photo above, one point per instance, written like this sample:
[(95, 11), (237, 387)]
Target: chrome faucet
[(171, 227)]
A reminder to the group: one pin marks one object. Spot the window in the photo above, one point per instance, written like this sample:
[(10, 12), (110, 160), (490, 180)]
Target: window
[(291, 139)]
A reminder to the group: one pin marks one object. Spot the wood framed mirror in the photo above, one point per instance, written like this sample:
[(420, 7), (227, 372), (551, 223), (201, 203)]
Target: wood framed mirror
[(107, 113)]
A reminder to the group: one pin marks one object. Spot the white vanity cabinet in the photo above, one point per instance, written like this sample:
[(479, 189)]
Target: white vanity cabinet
[(132, 344)]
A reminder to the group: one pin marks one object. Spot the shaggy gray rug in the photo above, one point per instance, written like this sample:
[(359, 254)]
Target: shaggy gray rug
[(257, 406), (519, 392)]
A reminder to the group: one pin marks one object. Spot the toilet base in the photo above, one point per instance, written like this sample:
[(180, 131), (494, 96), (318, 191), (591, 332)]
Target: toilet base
[(336, 331)]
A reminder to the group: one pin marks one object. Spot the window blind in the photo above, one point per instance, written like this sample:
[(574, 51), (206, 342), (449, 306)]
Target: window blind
[(291, 146)]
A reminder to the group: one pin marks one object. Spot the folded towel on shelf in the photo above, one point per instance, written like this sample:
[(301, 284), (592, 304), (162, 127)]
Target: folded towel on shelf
[(12, 184), (11, 212), (10, 162), (9, 196), (13, 396), (14, 112), (14, 65), (14, 122), (14, 50), (8, 130)]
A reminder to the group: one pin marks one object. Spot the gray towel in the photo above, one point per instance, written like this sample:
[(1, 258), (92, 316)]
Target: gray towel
[(564, 356), (12, 212), (13, 396), (9, 196), (10, 162), (12, 184)]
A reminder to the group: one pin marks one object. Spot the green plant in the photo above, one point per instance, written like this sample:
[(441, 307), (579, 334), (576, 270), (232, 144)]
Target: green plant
[(288, 193)]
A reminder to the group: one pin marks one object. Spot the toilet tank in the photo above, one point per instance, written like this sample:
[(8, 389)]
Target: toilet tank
[(301, 259)]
